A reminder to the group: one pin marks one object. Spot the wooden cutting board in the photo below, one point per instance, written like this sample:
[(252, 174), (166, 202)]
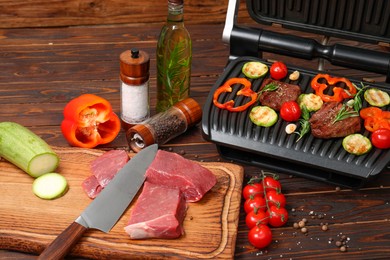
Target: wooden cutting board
[(28, 223)]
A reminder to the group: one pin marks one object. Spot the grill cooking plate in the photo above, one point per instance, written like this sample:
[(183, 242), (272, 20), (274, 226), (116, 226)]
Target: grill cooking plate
[(238, 139)]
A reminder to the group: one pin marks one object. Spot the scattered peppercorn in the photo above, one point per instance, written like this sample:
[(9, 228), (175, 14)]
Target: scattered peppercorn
[(343, 249), (301, 224), (324, 227)]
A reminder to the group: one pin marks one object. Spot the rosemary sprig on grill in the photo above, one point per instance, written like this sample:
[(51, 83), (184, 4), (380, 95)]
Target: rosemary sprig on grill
[(352, 107), (269, 87), (304, 122)]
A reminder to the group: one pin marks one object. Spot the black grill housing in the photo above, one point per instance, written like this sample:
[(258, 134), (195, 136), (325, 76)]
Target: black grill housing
[(238, 139)]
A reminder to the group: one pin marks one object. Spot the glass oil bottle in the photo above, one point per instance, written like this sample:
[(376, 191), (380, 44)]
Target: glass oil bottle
[(174, 55)]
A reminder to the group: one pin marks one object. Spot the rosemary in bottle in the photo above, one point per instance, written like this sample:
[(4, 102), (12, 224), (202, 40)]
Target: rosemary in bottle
[(174, 54)]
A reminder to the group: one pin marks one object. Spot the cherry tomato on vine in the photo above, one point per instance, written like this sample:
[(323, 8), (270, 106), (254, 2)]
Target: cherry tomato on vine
[(270, 183), (276, 199), (381, 138), (255, 203), (260, 236), (252, 189), (290, 111), (256, 217), (277, 216), (278, 70)]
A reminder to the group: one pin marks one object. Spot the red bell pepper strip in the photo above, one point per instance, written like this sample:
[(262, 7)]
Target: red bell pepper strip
[(339, 94), (375, 118), (89, 121), (245, 91)]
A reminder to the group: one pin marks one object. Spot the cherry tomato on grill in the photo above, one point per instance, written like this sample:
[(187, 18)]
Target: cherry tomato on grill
[(276, 198), (255, 203), (260, 236), (256, 217), (270, 183), (290, 111), (252, 189), (278, 70), (381, 138), (277, 216)]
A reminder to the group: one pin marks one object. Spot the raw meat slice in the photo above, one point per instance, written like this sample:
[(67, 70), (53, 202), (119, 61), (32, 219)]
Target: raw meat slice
[(172, 170), (103, 169), (158, 213), (107, 165), (91, 186)]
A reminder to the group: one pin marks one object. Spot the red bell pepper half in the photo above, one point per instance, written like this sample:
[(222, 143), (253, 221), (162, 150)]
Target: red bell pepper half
[(89, 121)]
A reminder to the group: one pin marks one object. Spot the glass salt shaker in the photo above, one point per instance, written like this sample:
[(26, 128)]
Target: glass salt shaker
[(165, 126), (134, 89)]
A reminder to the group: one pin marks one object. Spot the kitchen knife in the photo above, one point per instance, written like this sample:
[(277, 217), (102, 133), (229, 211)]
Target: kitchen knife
[(105, 210)]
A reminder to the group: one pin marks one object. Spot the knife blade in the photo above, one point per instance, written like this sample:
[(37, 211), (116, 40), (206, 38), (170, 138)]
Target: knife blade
[(106, 209)]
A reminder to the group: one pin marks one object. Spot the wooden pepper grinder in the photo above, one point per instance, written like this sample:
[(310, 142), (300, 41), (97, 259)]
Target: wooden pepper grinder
[(165, 126)]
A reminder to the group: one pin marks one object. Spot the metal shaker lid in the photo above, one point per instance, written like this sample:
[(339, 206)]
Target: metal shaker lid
[(134, 66)]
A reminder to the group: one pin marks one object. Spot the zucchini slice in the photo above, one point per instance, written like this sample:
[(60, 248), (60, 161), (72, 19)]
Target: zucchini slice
[(357, 144), (376, 97), (263, 116), (312, 101), (50, 186), (254, 69)]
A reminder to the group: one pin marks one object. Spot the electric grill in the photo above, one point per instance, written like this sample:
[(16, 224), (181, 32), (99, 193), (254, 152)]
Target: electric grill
[(238, 139)]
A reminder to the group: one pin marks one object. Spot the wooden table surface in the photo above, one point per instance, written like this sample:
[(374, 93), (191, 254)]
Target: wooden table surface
[(41, 69)]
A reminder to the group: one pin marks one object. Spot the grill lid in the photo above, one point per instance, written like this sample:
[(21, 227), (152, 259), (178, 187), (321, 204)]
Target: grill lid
[(320, 17), (360, 20)]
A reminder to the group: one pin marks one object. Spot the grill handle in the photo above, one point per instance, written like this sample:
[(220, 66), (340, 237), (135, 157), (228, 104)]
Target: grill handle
[(250, 41)]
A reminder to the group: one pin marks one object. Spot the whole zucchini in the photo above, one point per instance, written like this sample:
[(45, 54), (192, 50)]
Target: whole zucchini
[(26, 150)]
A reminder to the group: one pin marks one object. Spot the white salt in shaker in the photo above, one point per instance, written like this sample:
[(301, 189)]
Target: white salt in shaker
[(134, 80)]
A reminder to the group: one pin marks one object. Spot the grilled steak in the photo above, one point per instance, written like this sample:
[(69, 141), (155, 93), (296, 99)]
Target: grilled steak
[(285, 92), (322, 125)]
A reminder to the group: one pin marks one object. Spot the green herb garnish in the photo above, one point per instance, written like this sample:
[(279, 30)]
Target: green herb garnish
[(344, 113), (304, 122), (351, 109), (269, 87)]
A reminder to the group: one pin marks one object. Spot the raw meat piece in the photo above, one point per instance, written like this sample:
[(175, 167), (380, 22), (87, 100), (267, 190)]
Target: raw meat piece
[(91, 186), (107, 165), (172, 170), (103, 169), (158, 213), (322, 126)]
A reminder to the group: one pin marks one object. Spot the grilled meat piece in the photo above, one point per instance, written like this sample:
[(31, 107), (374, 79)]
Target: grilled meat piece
[(285, 92), (322, 125)]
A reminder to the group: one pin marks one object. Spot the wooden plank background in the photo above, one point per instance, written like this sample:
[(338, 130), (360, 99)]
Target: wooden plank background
[(50, 13), (74, 49)]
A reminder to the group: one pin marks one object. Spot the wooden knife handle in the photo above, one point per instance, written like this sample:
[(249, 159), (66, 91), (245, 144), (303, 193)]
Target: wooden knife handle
[(60, 246)]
